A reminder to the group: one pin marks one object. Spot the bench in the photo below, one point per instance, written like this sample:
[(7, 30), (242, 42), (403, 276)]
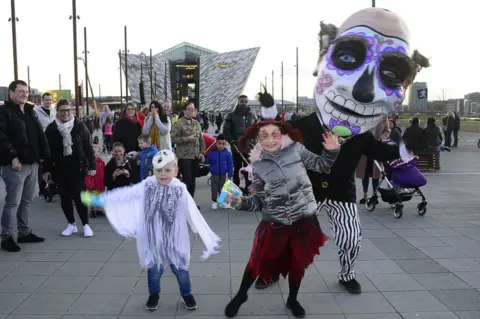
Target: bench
[(427, 160)]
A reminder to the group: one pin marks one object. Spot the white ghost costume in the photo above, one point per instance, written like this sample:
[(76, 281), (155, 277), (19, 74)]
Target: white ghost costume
[(157, 216)]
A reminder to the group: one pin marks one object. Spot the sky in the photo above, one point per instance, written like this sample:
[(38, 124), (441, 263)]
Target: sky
[(44, 37)]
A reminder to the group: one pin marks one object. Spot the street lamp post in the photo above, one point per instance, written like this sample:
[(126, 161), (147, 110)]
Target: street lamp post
[(373, 3), (126, 66), (28, 81), (14, 21), (120, 68), (86, 69), (74, 18)]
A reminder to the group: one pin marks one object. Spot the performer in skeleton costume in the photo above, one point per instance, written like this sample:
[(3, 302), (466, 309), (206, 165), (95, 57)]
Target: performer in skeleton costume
[(156, 212), (364, 69)]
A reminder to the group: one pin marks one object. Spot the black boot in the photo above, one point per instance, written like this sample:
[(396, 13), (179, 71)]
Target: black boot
[(292, 302), (241, 297)]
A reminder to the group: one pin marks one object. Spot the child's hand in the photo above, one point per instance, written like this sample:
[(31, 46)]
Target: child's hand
[(330, 141)]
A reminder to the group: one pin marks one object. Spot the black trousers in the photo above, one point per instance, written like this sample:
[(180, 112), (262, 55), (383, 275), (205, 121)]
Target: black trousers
[(455, 138), (188, 169), (70, 185), (238, 163)]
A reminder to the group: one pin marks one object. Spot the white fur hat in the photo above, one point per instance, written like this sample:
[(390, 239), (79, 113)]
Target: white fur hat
[(162, 158)]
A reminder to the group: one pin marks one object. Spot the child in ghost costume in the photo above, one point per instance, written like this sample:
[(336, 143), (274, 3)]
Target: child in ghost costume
[(156, 212)]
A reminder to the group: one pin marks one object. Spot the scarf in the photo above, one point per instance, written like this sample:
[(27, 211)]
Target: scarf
[(134, 118), (154, 135), (65, 129)]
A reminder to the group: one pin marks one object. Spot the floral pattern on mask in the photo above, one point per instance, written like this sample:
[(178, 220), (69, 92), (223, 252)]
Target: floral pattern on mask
[(324, 80)]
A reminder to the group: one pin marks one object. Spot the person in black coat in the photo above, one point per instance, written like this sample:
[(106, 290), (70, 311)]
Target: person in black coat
[(414, 137), (456, 129), (120, 171), (128, 129), (71, 159)]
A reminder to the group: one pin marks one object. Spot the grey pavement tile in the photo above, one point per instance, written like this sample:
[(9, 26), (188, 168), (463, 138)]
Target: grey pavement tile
[(207, 285), (39, 268), (9, 302), (222, 257), (263, 305), (99, 304), (91, 255), (53, 255), (168, 285), (34, 317), (389, 243), (64, 285), (193, 316), (459, 241), (314, 284), (210, 269), (334, 286), (441, 252), (469, 251), (167, 306), (367, 253), (426, 242), (319, 304), (243, 255), (471, 278), (459, 300), (374, 316), (442, 232), (129, 256), (411, 233), (128, 245), (111, 285), (212, 305), (429, 315), (378, 233), (413, 301), (459, 264), (379, 267), (76, 268), (14, 284), (68, 243), (20, 256), (397, 254), (440, 281), (8, 267), (367, 302), (47, 304), (94, 317), (395, 282), (120, 269), (421, 266), (241, 244), (108, 237), (468, 314)]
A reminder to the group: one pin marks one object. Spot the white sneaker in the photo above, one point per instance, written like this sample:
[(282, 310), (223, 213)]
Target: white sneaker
[(71, 228), (87, 231), (214, 205)]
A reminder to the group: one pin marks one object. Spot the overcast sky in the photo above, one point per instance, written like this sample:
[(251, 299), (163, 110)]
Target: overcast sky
[(445, 32)]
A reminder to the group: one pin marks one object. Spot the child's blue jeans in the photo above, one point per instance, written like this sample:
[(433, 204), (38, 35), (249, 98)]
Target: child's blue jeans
[(154, 275)]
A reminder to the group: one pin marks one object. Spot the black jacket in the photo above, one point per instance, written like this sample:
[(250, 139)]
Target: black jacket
[(127, 133), (122, 180), (339, 185), (415, 138), (82, 157), (21, 135), (236, 123)]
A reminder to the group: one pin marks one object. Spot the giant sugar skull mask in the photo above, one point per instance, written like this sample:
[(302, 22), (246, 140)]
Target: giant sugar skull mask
[(363, 75)]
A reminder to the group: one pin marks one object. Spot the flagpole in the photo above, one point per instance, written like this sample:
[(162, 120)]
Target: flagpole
[(282, 84), (297, 79), (273, 84)]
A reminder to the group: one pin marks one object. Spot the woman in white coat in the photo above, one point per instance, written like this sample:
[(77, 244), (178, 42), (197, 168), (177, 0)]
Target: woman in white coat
[(157, 125)]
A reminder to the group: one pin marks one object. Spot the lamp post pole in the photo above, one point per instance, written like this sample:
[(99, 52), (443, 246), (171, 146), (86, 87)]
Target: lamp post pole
[(14, 21), (86, 70), (74, 17)]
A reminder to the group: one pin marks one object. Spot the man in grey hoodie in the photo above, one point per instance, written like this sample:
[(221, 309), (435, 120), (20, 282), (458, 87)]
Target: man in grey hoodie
[(46, 115)]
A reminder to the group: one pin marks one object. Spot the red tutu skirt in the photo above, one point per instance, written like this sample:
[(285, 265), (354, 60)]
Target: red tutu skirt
[(280, 249)]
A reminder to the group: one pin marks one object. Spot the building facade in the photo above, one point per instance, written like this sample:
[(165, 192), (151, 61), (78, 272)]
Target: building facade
[(186, 72), (418, 97)]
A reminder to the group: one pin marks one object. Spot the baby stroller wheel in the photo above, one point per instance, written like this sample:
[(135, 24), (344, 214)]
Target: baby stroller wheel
[(48, 198), (422, 208), (398, 210), (370, 204)]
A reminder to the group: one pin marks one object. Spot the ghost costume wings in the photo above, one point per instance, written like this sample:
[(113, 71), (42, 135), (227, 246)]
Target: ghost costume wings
[(157, 216)]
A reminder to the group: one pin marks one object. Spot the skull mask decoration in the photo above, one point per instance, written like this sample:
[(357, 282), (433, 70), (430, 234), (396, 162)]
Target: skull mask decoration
[(363, 71)]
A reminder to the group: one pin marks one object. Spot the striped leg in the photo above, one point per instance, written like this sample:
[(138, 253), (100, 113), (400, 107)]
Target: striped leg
[(345, 224)]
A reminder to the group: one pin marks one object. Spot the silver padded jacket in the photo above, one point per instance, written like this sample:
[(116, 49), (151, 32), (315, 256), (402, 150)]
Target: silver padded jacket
[(282, 189)]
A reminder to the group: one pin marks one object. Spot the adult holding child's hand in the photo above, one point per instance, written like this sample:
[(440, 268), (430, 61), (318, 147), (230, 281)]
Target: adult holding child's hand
[(330, 141)]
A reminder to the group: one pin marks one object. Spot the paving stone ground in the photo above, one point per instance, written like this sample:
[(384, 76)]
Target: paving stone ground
[(415, 267)]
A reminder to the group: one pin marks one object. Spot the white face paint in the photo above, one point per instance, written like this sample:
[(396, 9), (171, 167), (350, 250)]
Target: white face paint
[(360, 80)]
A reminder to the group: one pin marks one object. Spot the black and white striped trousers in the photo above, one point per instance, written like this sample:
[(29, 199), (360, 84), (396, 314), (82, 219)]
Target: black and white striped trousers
[(345, 225)]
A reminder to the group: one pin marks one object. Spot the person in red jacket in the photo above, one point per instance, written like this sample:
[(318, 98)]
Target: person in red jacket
[(96, 183)]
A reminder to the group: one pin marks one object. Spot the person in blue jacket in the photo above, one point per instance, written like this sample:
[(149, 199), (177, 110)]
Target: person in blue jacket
[(221, 165), (148, 151)]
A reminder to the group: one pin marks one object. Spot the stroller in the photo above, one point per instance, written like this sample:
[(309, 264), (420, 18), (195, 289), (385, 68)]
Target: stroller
[(404, 181), (50, 191)]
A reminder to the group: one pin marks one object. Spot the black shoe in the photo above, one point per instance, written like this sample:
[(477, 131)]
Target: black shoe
[(30, 238), (190, 303), (363, 201), (93, 214), (233, 306), (296, 308), (260, 284), (10, 245), (152, 303), (352, 286)]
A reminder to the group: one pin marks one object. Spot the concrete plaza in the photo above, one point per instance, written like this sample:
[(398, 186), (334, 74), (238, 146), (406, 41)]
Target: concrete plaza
[(415, 267)]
